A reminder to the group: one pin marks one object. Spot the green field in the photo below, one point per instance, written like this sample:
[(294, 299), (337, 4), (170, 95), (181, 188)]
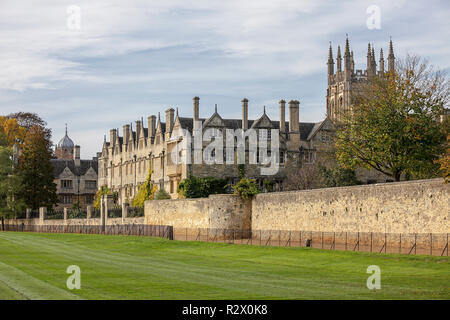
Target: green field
[(33, 266)]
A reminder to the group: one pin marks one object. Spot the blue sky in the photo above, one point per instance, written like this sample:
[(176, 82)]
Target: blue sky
[(132, 59)]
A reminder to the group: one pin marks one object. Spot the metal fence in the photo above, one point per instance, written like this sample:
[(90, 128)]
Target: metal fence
[(95, 213), (77, 214), (34, 214), (121, 229), (135, 212), (115, 212), (55, 214), (419, 243)]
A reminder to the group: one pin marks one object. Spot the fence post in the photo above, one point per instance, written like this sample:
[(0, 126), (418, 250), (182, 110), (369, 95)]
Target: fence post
[(400, 249), (431, 244), (28, 213), (300, 240), (371, 241), (346, 240), (102, 213), (88, 212), (415, 243), (322, 239), (124, 212), (42, 214)]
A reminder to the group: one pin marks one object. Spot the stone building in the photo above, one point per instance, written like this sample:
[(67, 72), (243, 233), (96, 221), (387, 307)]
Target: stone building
[(125, 159), (76, 179), (343, 81)]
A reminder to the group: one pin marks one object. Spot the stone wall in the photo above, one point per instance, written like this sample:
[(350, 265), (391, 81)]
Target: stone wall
[(216, 211), (405, 207)]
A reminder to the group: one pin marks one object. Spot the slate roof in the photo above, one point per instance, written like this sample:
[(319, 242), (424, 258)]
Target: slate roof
[(305, 127), (60, 164)]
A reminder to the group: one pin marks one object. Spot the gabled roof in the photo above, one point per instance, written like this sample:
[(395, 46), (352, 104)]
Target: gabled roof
[(60, 164)]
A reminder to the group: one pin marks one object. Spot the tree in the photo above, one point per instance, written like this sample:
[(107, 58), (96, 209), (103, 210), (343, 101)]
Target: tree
[(161, 194), (444, 163), (98, 195), (302, 178), (36, 170), (11, 131), (393, 126), (146, 191), (194, 187), (28, 120), (338, 177), (246, 188), (10, 185)]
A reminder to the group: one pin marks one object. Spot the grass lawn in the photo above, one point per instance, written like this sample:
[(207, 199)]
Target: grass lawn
[(33, 266)]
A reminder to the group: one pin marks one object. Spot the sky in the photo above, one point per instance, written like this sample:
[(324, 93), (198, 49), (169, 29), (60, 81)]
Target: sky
[(97, 65)]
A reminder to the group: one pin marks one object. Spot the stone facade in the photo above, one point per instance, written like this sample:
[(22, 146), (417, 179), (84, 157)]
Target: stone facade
[(125, 160), (342, 82), (75, 179)]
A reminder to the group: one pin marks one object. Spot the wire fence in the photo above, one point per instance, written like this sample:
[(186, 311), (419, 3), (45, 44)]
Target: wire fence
[(120, 229), (436, 244), (419, 243)]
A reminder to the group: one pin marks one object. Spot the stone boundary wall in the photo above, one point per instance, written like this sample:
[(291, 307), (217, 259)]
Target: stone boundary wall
[(420, 206), (216, 211)]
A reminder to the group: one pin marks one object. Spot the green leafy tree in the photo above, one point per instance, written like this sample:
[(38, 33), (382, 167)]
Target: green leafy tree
[(36, 170), (10, 185), (393, 125), (246, 188)]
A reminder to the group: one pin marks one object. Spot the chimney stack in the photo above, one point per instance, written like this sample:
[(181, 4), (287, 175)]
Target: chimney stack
[(151, 126), (76, 156), (196, 111), (244, 114), (126, 133), (282, 116), (169, 119), (112, 137), (294, 116), (138, 130)]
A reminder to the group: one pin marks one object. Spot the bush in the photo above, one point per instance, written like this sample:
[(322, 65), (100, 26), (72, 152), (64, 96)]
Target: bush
[(161, 194), (194, 187), (246, 188)]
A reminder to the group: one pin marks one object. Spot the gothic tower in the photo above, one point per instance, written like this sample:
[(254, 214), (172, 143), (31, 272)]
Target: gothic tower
[(341, 82)]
